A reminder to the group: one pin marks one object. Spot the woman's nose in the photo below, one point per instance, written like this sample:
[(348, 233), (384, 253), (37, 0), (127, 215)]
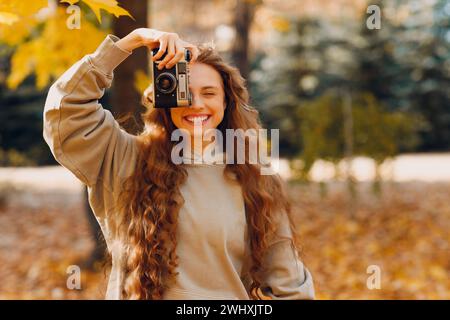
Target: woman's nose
[(197, 101)]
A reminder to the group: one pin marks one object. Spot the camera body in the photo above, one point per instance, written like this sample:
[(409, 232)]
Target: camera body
[(171, 86)]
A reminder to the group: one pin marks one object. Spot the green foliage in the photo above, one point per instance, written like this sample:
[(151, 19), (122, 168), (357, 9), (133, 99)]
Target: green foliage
[(406, 65), (377, 133), (397, 78)]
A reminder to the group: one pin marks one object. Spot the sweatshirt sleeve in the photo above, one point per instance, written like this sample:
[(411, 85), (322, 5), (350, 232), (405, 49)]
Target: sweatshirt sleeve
[(286, 278), (82, 136)]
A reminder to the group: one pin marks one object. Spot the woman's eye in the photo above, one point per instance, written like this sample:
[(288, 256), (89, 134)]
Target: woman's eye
[(209, 93)]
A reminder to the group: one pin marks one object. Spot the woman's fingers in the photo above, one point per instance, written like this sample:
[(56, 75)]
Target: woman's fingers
[(162, 49), (169, 55), (178, 56), (175, 48)]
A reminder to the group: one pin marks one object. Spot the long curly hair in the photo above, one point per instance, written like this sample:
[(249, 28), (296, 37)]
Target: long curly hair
[(151, 199)]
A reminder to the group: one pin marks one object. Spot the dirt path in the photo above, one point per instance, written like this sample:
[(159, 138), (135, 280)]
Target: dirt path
[(408, 167)]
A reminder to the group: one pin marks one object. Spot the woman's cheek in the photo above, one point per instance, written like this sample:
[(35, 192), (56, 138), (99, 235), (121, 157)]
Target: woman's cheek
[(219, 111), (218, 118), (177, 119)]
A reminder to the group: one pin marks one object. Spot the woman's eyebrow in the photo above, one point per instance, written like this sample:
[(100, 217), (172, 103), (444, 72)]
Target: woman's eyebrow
[(209, 87)]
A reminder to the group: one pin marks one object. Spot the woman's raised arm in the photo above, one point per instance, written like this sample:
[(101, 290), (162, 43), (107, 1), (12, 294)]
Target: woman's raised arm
[(84, 137)]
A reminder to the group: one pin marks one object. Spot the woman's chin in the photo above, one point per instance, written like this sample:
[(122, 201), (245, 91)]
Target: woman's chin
[(197, 131), (197, 134)]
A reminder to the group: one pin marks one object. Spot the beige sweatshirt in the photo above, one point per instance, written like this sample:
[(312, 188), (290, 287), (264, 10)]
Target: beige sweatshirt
[(212, 236)]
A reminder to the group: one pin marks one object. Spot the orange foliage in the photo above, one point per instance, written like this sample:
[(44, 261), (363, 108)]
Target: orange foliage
[(405, 233)]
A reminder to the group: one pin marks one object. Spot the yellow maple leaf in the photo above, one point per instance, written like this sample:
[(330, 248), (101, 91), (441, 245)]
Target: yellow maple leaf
[(110, 6), (8, 18), (12, 10), (17, 19), (15, 33), (53, 51)]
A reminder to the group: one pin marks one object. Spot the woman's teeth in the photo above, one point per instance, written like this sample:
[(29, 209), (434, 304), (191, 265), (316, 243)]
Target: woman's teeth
[(197, 119)]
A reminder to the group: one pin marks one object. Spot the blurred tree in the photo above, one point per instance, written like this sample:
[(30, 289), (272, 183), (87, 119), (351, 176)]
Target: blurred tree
[(405, 65), (379, 71), (305, 59), (244, 13), (304, 62), (21, 130), (429, 39), (46, 47), (377, 134), (37, 46), (126, 98)]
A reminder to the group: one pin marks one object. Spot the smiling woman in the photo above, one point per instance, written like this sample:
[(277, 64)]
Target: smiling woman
[(175, 231), (208, 100)]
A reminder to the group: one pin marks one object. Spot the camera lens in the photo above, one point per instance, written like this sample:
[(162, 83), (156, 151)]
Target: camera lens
[(166, 82)]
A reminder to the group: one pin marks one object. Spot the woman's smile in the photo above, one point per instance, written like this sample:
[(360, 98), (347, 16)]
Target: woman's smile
[(197, 119)]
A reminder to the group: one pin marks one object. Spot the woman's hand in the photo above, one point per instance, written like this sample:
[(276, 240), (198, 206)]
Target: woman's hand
[(166, 41)]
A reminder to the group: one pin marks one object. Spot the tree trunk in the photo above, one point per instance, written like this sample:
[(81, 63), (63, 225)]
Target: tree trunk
[(126, 99), (244, 13), (349, 145)]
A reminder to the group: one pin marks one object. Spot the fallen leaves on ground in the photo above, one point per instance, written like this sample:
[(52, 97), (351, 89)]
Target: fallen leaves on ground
[(404, 233)]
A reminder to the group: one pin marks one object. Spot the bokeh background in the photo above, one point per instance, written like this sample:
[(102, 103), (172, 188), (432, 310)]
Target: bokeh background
[(364, 119)]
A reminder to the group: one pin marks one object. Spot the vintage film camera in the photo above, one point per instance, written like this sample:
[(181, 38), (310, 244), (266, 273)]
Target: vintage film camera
[(171, 86)]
